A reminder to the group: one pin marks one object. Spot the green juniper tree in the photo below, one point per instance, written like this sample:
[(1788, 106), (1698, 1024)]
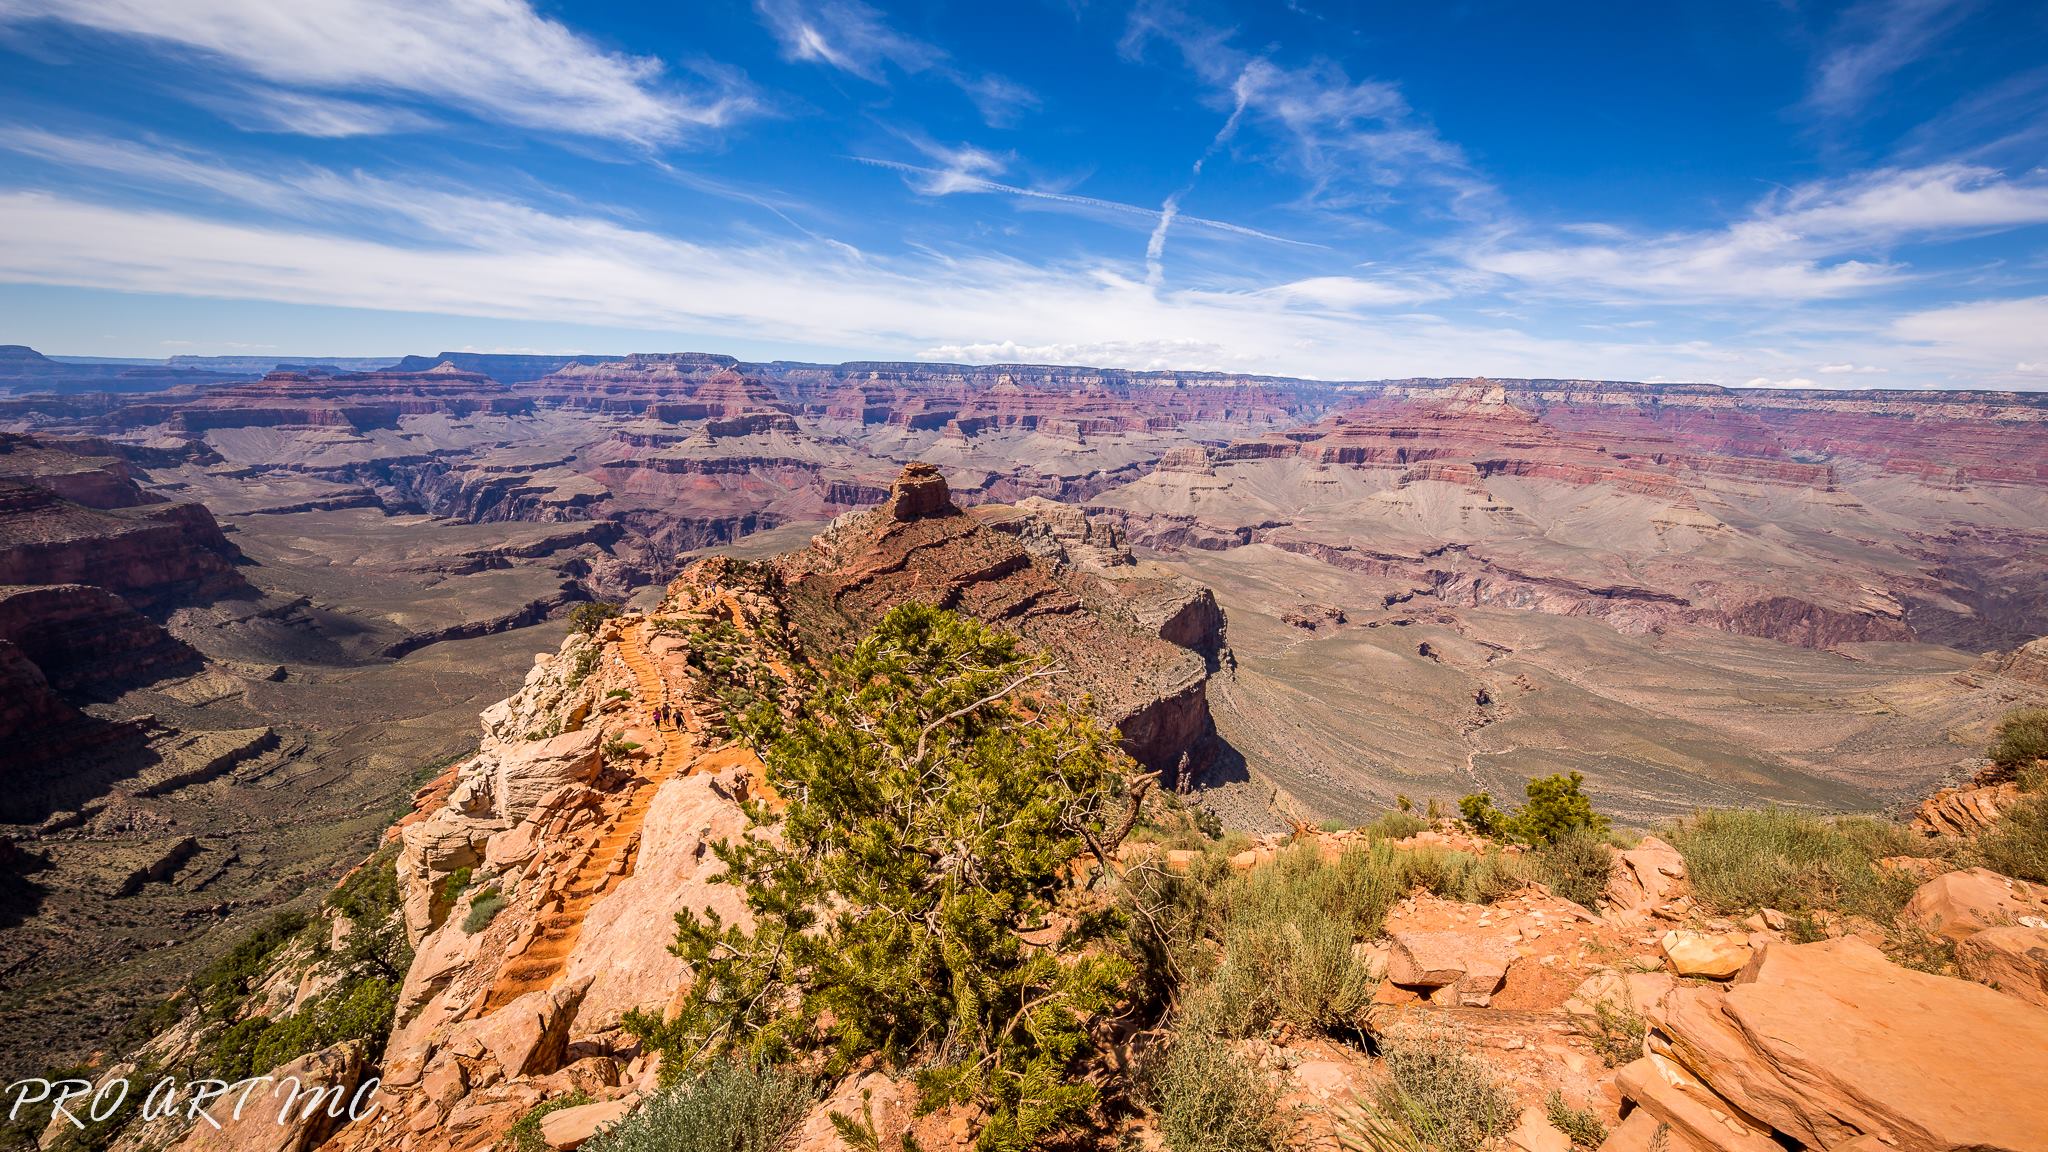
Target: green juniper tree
[(915, 899)]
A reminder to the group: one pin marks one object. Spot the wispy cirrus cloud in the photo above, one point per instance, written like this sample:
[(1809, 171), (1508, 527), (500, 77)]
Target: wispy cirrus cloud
[(2012, 333), (1817, 241), (1872, 42), (454, 251), (1358, 144), (856, 39), (299, 235), (260, 108), (498, 60), (964, 178)]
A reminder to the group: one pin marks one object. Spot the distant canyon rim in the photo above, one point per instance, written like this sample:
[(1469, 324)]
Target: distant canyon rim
[(244, 604)]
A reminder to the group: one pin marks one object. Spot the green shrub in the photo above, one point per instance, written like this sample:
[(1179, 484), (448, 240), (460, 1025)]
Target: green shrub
[(1617, 1031), (618, 747), (223, 985), (585, 618), (455, 885), (1455, 875), (1478, 812), (1298, 968), (1446, 1097), (1210, 1099), (1356, 889), (524, 1135), (370, 899), (1557, 807), (722, 1106), (1581, 1124), (938, 818), (1743, 859), (2021, 741), (359, 1009), (1575, 867), (2018, 846), (619, 694), (1911, 946), (483, 909), (1397, 825), (581, 665)]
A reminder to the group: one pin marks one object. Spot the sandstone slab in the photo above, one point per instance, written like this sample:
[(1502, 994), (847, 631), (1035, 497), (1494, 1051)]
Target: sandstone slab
[(1714, 956), (2012, 959), (1646, 877), (1472, 964), (1959, 905), (1830, 1042), (571, 1127)]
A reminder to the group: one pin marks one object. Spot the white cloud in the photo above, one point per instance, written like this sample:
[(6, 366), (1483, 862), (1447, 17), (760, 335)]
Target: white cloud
[(1357, 143), (493, 258), (2009, 331), (1344, 293), (947, 181), (1873, 41), (854, 38), (258, 108), (846, 35), (297, 235), (496, 59), (1816, 241), (1136, 355)]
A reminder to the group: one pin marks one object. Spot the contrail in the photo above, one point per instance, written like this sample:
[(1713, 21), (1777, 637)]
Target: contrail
[(958, 182)]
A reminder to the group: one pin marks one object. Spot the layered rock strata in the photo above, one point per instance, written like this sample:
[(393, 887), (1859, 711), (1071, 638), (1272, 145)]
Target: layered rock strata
[(919, 546)]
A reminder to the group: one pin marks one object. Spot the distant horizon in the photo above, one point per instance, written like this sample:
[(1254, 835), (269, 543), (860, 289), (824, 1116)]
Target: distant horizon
[(389, 359)]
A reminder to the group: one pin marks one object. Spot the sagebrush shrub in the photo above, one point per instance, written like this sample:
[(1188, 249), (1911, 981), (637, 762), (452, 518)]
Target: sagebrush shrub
[(482, 910), (1580, 1125), (1447, 1097), (1743, 859), (2018, 846), (721, 1106), (1210, 1099), (1575, 867), (2021, 741)]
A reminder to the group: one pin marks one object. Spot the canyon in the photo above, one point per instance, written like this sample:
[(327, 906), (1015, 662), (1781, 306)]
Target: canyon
[(248, 607)]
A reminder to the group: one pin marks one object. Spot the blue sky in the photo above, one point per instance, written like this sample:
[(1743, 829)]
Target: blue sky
[(1737, 192)]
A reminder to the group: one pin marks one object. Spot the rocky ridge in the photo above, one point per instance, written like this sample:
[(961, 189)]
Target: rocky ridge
[(1142, 662)]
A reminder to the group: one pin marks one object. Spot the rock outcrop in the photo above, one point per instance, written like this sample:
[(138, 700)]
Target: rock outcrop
[(1830, 1045), (919, 546), (1958, 905), (1970, 809), (85, 552), (350, 400), (585, 820), (2028, 662), (2011, 958), (106, 532)]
